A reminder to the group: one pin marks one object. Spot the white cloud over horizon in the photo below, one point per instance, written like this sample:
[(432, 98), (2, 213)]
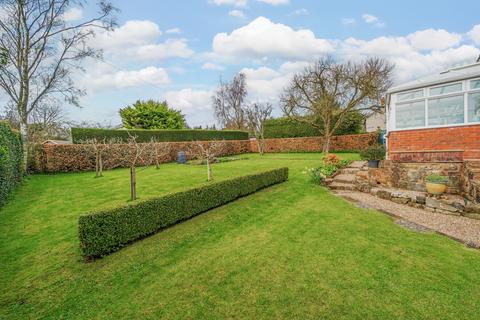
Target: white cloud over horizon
[(263, 38)]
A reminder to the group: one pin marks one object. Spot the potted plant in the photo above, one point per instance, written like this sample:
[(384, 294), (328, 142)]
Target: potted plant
[(436, 184), (373, 155)]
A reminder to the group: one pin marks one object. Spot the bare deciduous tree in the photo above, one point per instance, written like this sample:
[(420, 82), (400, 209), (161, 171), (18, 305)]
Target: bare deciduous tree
[(159, 150), (229, 102), (208, 152), (136, 153), (98, 148), (327, 91), (257, 114), (42, 50)]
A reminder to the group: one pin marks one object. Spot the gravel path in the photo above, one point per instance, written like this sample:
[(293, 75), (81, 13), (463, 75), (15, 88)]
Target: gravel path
[(462, 229)]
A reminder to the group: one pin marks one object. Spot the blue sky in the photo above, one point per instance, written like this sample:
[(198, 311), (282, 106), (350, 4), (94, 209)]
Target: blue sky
[(177, 50)]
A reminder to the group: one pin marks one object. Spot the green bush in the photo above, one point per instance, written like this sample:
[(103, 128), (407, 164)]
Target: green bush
[(82, 134), (106, 231), (151, 114), (10, 161), (288, 128), (436, 178), (376, 152)]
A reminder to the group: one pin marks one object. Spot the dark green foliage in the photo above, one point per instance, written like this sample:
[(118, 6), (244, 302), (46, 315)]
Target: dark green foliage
[(108, 230), (436, 178), (287, 128), (10, 160), (82, 134), (375, 152), (151, 114)]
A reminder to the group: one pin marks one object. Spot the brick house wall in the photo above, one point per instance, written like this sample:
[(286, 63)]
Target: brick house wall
[(451, 144)]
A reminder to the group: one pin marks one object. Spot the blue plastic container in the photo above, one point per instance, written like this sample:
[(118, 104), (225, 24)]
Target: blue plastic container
[(181, 157)]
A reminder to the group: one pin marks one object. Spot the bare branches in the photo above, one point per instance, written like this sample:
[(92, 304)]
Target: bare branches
[(229, 102), (257, 114), (160, 151), (208, 151), (41, 50), (326, 92)]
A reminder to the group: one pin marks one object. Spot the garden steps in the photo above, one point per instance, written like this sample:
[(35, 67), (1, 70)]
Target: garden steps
[(345, 179), (342, 186)]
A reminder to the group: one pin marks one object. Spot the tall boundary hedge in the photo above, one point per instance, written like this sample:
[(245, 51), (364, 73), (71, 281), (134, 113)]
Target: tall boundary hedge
[(10, 161), (107, 231), (82, 134)]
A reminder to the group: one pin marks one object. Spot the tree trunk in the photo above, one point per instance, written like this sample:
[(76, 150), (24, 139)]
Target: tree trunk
[(100, 165), (96, 165), (209, 171), (133, 184), (326, 143), (24, 137), (261, 145)]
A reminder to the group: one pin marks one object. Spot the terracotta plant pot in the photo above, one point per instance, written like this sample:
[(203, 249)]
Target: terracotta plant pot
[(436, 188)]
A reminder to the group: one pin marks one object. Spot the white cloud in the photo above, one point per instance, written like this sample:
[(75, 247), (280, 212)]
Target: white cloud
[(173, 31), (137, 40), (431, 39), (300, 12), (347, 21), (368, 18), (275, 2), (104, 77), (169, 49), (237, 14), (475, 34), (212, 66), (263, 38), (189, 100), (133, 33), (72, 14), (236, 3), (373, 20)]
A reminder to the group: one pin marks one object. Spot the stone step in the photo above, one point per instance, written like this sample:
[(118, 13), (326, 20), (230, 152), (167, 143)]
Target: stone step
[(342, 186), (357, 164), (345, 178), (349, 170)]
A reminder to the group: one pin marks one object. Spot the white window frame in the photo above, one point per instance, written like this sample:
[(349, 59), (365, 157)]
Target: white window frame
[(466, 90)]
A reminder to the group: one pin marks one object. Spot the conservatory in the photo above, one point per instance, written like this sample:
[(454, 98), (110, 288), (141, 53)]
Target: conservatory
[(437, 118)]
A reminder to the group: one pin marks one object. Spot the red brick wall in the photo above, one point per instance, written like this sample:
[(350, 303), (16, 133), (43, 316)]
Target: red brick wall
[(350, 142), (436, 144)]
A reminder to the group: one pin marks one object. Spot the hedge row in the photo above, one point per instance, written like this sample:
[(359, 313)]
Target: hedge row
[(10, 160), (107, 231), (288, 128), (82, 134)]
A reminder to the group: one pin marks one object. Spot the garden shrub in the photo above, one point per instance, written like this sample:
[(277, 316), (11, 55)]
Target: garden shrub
[(10, 160), (329, 166), (287, 128), (82, 134), (109, 230)]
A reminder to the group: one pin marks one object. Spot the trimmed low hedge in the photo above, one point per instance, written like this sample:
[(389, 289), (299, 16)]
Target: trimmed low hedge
[(82, 134), (107, 231), (10, 160)]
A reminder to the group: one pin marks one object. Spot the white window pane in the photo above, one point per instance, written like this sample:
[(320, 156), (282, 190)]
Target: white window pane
[(475, 84), (474, 107), (445, 111), (410, 115), (410, 95), (446, 89)]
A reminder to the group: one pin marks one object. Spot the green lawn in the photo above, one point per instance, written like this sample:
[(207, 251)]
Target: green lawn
[(289, 251)]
